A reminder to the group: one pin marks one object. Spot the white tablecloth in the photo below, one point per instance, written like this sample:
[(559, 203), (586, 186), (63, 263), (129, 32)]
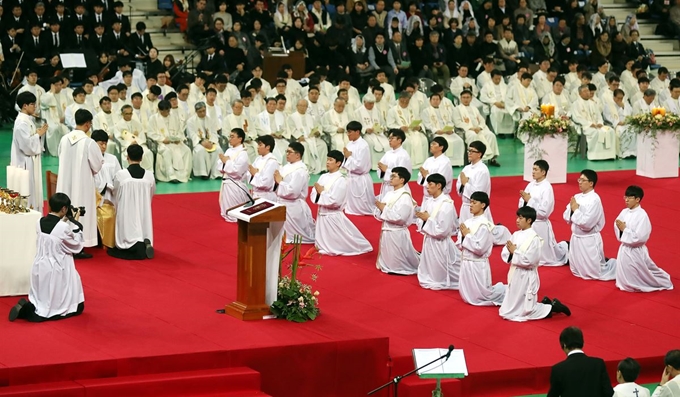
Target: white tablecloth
[(17, 250)]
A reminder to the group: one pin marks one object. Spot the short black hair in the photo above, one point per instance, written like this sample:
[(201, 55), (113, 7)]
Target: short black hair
[(397, 133), (527, 212), (26, 98), (266, 140), (83, 116), (441, 141), (353, 126), (673, 359), (635, 191), (543, 165), (403, 173), (59, 201), (478, 145), (135, 152), (156, 90), (437, 179), (629, 368), (297, 148), (571, 338), (164, 105), (591, 175), (336, 155), (240, 133), (481, 197), (100, 136)]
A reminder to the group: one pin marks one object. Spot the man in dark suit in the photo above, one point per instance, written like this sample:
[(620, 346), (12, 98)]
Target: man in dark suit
[(100, 17), (117, 15), (211, 63), (77, 40), (11, 48), (38, 15), (19, 21), (401, 57), (36, 48), (98, 42), (117, 40), (55, 37), (80, 17), (140, 42), (63, 17), (578, 375)]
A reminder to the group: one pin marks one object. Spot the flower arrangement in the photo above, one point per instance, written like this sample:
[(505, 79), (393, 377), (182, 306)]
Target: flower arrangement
[(538, 126), (658, 120), (295, 301)]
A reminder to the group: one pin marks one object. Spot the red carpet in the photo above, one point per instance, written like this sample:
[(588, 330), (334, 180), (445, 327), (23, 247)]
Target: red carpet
[(158, 316)]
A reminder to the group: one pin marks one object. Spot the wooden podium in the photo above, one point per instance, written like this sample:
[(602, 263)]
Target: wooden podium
[(253, 224), (272, 62)]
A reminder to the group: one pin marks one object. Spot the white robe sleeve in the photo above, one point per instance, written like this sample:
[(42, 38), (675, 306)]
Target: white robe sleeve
[(236, 167), (527, 259), (29, 145), (543, 204), (637, 231), (360, 160), (72, 242), (264, 178), (587, 216), (400, 213), (440, 226), (333, 198), (292, 189), (479, 242)]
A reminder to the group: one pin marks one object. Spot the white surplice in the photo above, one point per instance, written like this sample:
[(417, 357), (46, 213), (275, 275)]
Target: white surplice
[(475, 285), (132, 132), (561, 102), (630, 389), (436, 165), (52, 107), (397, 254), (467, 118), (263, 180), (134, 219), (234, 177), (479, 181), (249, 127), (79, 160), (439, 266), (105, 121), (635, 270), (601, 141), (56, 289), (393, 158), (416, 142), (330, 123), (543, 201), (198, 130), (70, 114), (626, 137), (27, 146), (586, 251), (519, 97), (335, 234), (437, 119), (521, 302), (377, 138), (501, 120), (361, 197), (103, 181), (270, 124), (316, 150), (173, 160), (292, 192), (458, 85)]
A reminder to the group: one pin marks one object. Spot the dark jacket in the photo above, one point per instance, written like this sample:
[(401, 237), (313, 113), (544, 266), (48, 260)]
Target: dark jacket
[(580, 376)]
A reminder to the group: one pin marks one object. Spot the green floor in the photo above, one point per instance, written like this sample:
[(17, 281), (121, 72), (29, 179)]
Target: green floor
[(511, 159)]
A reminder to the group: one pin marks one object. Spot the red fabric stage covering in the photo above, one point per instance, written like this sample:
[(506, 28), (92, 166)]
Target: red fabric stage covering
[(158, 316)]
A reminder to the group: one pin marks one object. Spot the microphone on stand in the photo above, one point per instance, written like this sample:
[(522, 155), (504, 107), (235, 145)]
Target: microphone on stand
[(449, 352)]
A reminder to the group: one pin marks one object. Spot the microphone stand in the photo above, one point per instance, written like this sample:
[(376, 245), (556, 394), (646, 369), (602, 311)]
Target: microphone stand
[(398, 379)]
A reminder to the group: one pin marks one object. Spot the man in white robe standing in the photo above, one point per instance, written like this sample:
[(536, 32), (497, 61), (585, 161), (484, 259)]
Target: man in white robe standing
[(358, 165), (79, 161), (475, 177), (616, 110), (302, 127), (373, 128), (129, 131), (635, 270), (523, 253), (27, 147), (52, 109), (203, 132), (335, 234), (476, 241), (134, 188), (233, 166), (272, 122), (468, 119), (56, 290), (539, 195), (600, 138), (402, 117), (439, 266), (173, 160), (438, 163), (334, 122), (397, 156), (493, 94), (397, 254), (263, 168), (292, 184), (439, 122), (585, 215)]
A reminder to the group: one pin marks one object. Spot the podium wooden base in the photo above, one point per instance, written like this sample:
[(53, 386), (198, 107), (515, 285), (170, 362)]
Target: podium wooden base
[(552, 149), (247, 313), (657, 158)]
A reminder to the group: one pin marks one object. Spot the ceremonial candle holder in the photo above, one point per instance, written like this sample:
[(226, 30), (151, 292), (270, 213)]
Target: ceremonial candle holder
[(658, 111), (23, 206), (548, 110)]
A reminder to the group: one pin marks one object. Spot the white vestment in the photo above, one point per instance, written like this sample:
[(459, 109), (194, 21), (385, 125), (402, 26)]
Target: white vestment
[(635, 270), (335, 234), (543, 201), (500, 118), (303, 126), (458, 84), (475, 285), (292, 192), (601, 141), (317, 109), (630, 389), (479, 181), (199, 130), (52, 107), (393, 158), (330, 123), (79, 160), (586, 251), (132, 132), (103, 181), (27, 146), (105, 121), (436, 165), (234, 177), (439, 266), (416, 142), (173, 160), (70, 114), (520, 97), (270, 124), (56, 289), (397, 254), (440, 119), (377, 138), (361, 197), (467, 118), (134, 220), (626, 138), (561, 102), (521, 302), (263, 180)]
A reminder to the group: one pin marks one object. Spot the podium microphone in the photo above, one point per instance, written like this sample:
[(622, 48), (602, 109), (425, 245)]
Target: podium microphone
[(250, 198), (450, 350)]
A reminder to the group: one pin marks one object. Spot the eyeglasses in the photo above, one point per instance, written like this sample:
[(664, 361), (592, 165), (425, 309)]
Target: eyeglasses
[(473, 151), (290, 151), (582, 180)]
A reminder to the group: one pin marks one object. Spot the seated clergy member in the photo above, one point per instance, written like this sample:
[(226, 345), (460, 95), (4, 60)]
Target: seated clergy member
[(272, 122), (396, 210), (438, 163), (263, 168), (439, 265), (129, 131), (233, 166), (56, 290), (601, 139), (635, 270), (557, 97), (439, 121), (396, 157), (646, 103), (302, 127), (401, 116), (468, 119), (616, 110), (672, 103), (476, 241), (173, 162), (203, 132), (523, 253), (292, 181), (239, 119), (585, 215), (539, 195), (493, 94), (579, 375), (103, 181), (358, 165), (373, 128), (335, 234), (522, 99), (334, 122)]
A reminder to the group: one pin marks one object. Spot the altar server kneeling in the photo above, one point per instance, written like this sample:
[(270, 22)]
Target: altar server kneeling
[(523, 254), (56, 290), (335, 234)]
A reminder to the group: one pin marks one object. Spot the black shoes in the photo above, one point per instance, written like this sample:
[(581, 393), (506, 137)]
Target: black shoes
[(546, 301), (494, 163), (14, 311), (82, 255), (559, 307), (149, 248)]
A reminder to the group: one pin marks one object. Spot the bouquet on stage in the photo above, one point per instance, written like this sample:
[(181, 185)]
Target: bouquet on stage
[(538, 126), (295, 301), (654, 122)]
